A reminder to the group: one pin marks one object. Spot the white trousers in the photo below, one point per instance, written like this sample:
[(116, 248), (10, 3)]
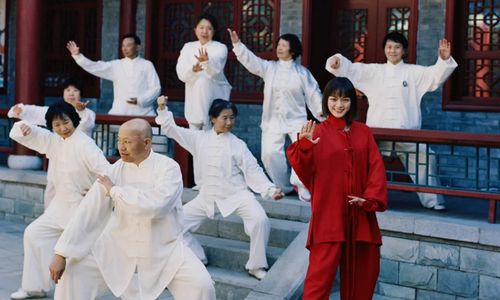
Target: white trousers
[(40, 238), (82, 280), (255, 222), (196, 164), (50, 192), (427, 200), (274, 160)]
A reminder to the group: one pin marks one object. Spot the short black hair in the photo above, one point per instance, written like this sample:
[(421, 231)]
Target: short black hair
[(295, 44), (219, 105), (396, 37), (73, 81), (341, 87), (210, 18), (137, 40), (58, 110)]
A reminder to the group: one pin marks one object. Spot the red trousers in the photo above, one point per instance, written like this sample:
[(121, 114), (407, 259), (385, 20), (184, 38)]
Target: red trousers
[(324, 259)]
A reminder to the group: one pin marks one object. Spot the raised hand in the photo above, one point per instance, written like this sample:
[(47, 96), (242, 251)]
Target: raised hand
[(162, 102), (278, 194), (80, 105), (203, 55), (234, 36), (356, 200), (444, 49), (335, 63), (307, 132), (17, 110), (25, 129), (57, 267), (73, 48), (197, 67), (106, 182)]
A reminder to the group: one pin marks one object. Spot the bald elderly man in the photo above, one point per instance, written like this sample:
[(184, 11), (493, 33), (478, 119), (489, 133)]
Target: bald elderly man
[(126, 236)]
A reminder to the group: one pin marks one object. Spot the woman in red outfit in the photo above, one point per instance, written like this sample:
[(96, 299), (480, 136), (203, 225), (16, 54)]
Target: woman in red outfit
[(339, 162)]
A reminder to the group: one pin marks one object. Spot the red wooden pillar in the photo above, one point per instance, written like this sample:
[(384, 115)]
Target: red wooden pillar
[(29, 83), (128, 21)]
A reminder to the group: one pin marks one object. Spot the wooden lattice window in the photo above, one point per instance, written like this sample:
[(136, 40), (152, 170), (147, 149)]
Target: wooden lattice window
[(4, 40), (473, 26), (256, 21), (78, 20)]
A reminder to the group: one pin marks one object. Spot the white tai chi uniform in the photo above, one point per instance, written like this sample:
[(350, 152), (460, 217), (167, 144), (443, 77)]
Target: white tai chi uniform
[(136, 230), (36, 115), (288, 88), (75, 161), (395, 93), (228, 169)]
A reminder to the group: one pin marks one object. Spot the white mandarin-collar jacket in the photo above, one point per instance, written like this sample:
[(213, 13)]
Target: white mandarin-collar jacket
[(288, 88), (139, 225), (132, 78), (75, 163), (228, 167), (36, 115), (394, 91)]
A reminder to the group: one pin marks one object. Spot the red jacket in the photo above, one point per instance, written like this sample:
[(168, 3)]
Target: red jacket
[(342, 163)]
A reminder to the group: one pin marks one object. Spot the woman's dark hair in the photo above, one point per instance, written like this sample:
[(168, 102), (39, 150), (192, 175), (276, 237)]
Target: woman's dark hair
[(73, 81), (219, 105), (397, 38), (341, 87), (210, 18), (58, 110), (295, 44), (137, 40)]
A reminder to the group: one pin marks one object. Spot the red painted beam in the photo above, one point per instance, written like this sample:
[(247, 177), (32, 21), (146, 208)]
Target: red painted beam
[(128, 21)]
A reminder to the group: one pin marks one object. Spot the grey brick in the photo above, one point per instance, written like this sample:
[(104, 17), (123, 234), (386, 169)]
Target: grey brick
[(457, 283), (396, 291), (389, 271), (489, 237), (447, 230), (489, 288), (24, 208), (428, 295), (14, 218), (439, 255), (38, 209), (13, 191), (417, 276), (28, 220), (2, 215), (32, 193), (480, 261), (7, 205), (399, 249)]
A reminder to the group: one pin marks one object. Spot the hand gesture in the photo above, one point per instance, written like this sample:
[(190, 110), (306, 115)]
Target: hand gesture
[(203, 55), (335, 63), (444, 49), (132, 101), (356, 200), (197, 67), (278, 194), (73, 48), (162, 102), (234, 36), (106, 182), (80, 105), (307, 132), (25, 129), (17, 110), (57, 267)]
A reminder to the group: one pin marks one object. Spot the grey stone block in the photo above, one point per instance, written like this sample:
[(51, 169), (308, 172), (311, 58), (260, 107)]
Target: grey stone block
[(24, 208), (489, 237), (14, 218), (417, 276), (7, 205), (210, 227), (13, 191), (489, 288), (32, 193), (28, 220), (399, 249), (428, 295), (480, 261), (389, 271), (439, 255), (396, 291), (394, 223), (451, 231), (38, 209), (457, 283), (2, 215)]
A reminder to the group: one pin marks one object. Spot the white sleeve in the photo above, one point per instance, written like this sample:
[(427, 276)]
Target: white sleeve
[(100, 68), (254, 175), (95, 159), (216, 62), (183, 68), (40, 139), (154, 88), (431, 78), (87, 120), (32, 113), (313, 96), (250, 61), (187, 138), (361, 75), (156, 202)]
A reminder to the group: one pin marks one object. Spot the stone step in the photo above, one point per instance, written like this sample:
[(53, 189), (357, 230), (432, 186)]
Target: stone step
[(230, 284), (288, 208), (283, 232), (232, 254), (336, 296)]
